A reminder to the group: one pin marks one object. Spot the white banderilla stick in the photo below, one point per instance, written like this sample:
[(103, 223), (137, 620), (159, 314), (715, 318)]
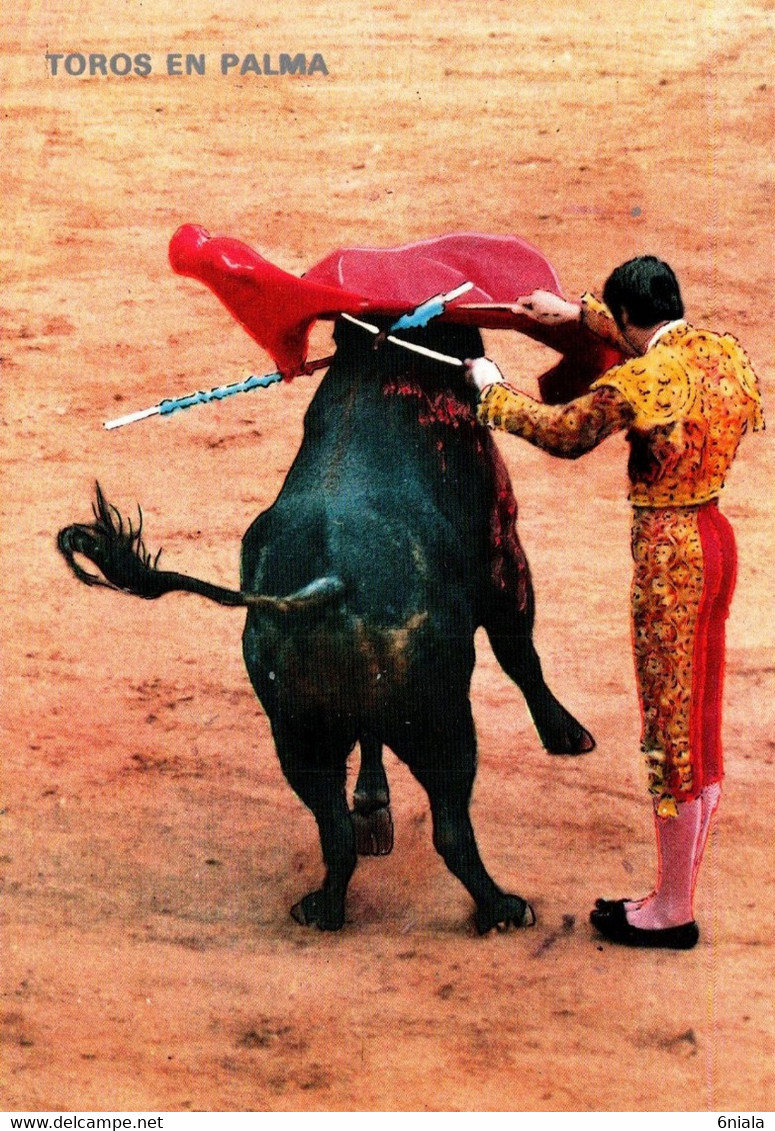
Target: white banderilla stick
[(434, 354)]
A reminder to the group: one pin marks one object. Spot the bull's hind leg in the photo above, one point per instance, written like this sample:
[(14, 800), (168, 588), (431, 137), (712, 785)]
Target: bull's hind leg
[(443, 759), (372, 820), (510, 633), (316, 770)]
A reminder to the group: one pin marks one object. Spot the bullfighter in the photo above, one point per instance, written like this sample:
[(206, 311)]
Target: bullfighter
[(686, 396)]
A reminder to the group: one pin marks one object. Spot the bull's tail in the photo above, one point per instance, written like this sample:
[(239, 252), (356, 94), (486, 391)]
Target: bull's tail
[(119, 553)]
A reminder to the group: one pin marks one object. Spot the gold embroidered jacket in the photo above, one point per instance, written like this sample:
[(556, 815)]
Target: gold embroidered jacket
[(686, 404)]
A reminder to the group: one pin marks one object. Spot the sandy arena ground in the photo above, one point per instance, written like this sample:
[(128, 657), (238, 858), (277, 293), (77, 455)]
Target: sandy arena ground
[(151, 848)]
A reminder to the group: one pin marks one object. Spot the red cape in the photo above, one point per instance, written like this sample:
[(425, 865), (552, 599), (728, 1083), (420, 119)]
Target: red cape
[(278, 309)]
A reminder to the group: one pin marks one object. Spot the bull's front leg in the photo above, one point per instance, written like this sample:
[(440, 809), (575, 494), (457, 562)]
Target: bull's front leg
[(510, 633), (371, 815), (319, 780), (443, 759)]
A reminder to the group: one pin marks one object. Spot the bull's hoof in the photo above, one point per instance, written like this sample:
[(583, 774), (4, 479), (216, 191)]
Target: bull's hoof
[(572, 739), (373, 831), (317, 910), (507, 911)]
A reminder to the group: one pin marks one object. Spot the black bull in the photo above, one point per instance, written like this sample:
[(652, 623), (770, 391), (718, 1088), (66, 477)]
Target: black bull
[(392, 540)]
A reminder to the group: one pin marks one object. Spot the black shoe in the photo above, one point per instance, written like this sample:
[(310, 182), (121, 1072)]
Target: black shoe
[(608, 905), (612, 923)]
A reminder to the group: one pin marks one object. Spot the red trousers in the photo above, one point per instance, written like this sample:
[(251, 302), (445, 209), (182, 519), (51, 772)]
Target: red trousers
[(719, 556), (685, 567)]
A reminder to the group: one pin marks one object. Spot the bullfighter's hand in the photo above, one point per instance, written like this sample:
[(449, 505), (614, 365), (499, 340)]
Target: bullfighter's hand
[(547, 308), (481, 373)]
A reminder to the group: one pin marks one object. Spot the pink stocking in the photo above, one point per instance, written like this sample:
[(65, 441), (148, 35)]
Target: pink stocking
[(709, 798), (678, 841)]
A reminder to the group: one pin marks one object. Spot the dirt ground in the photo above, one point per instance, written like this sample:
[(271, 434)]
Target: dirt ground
[(151, 848)]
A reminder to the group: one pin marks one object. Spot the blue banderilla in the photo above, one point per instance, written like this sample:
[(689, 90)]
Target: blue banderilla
[(420, 316)]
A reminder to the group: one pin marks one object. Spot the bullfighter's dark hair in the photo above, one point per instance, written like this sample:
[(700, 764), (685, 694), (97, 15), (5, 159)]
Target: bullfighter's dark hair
[(646, 287)]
